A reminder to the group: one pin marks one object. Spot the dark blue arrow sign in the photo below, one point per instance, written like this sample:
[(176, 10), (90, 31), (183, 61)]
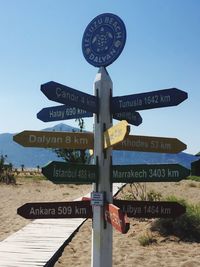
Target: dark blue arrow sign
[(131, 117), (155, 99), (62, 112), (69, 96)]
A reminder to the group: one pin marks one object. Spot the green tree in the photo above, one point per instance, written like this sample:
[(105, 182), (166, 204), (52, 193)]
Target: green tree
[(81, 156)]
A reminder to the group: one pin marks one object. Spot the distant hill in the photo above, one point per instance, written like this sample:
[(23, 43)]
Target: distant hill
[(33, 157)]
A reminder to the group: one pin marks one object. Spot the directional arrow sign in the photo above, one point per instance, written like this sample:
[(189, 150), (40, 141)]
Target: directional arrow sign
[(69, 96), (149, 173), (52, 210), (116, 134), (63, 173), (55, 139), (151, 144), (131, 117), (150, 209), (155, 99), (117, 218), (62, 112)]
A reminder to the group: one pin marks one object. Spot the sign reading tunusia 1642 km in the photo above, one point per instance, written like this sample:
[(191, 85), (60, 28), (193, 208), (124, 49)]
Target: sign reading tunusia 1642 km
[(55, 139), (148, 173), (150, 100), (63, 173)]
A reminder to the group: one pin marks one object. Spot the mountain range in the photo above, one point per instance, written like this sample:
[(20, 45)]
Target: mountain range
[(33, 157)]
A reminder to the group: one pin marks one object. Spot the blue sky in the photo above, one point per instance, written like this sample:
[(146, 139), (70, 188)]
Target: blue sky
[(41, 42)]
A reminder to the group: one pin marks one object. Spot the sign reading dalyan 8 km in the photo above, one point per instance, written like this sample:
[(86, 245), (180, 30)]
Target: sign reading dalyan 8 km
[(55, 139)]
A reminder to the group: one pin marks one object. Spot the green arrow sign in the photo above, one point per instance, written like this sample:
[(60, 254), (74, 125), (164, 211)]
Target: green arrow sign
[(149, 173), (65, 173)]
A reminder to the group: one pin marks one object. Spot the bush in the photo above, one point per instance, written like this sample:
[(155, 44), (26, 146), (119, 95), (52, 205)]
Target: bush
[(186, 226), (146, 239), (138, 191)]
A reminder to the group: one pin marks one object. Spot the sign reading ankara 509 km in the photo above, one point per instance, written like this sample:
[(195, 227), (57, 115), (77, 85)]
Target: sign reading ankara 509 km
[(62, 173), (59, 210)]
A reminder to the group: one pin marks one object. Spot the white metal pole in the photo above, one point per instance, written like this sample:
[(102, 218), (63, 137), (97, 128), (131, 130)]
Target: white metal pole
[(102, 232)]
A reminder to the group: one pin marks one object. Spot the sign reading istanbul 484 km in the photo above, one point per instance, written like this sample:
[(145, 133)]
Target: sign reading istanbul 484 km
[(103, 40), (62, 172)]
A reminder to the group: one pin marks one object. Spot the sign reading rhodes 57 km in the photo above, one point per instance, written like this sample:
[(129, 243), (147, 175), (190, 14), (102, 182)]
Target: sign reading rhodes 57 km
[(103, 40)]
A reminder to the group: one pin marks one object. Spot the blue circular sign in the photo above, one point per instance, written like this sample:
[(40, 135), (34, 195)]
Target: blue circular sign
[(103, 40)]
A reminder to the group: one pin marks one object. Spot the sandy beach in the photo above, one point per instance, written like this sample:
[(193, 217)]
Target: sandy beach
[(166, 251)]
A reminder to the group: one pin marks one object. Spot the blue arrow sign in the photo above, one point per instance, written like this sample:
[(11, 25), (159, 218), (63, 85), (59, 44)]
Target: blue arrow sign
[(62, 112), (131, 117), (69, 96), (155, 99)]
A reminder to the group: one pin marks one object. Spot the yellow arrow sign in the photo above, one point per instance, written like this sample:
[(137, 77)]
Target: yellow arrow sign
[(116, 133), (151, 144), (55, 139)]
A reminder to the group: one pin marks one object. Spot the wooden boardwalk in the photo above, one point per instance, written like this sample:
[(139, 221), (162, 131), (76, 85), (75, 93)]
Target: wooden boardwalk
[(39, 242)]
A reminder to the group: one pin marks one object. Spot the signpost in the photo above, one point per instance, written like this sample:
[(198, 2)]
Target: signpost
[(131, 117), (55, 139), (117, 218), (102, 43), (64, 173), (69, 96), (150, 209), (151, 144), (62, 112), (148, 173), (116, 134), (155, 99), (59, 210)]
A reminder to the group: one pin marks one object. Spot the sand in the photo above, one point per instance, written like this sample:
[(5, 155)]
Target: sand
[(166, 251)]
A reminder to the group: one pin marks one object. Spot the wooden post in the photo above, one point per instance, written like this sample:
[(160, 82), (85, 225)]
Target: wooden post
[(102, 231)]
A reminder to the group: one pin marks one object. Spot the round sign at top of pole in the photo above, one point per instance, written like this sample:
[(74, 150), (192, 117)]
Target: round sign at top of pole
[(103, 40)]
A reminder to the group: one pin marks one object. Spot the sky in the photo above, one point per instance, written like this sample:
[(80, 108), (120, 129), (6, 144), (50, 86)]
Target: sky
[(40, 41)]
